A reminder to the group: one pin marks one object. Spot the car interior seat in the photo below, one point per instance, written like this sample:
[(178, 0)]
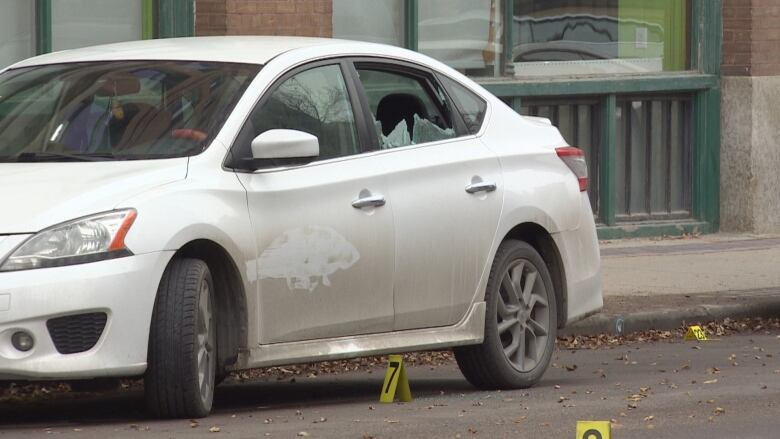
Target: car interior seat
[(142, 123), (396, 107)]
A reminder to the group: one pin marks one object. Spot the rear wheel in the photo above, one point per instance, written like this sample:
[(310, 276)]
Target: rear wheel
[(520, 322), (180, 378)]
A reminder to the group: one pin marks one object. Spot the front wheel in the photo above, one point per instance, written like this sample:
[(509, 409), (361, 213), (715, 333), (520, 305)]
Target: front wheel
[(180, 376), (520, 322)]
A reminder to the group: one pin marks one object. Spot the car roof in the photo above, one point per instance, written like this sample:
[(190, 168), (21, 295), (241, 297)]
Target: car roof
[(238, 49)]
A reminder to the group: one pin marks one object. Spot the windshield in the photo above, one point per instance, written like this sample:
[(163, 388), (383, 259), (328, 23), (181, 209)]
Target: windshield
[(116, 110)]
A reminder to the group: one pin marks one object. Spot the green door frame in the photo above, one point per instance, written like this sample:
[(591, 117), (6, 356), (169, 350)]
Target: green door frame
[(159, 19), (42, 26), (703, 82)]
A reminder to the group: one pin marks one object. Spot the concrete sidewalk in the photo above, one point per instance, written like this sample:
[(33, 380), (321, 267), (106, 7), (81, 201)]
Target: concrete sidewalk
[(662, 284)]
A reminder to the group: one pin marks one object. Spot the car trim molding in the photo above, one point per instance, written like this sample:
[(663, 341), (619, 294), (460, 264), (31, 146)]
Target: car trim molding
[(470, 330)]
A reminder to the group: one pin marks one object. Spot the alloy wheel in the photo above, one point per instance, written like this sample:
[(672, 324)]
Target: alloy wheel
[(206, 336), (523, 315)]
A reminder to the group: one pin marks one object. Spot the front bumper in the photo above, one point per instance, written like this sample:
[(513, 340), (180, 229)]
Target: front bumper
[(124, 289)]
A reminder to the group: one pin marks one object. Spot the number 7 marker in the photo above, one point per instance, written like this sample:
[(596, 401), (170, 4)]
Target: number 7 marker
[(395, 381)]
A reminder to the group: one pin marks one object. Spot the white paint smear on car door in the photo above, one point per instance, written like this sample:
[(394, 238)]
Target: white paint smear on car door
[(307, 256)]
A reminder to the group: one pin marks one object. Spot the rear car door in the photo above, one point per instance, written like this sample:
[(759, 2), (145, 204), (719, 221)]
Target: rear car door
[(445, 187), (325, 265)]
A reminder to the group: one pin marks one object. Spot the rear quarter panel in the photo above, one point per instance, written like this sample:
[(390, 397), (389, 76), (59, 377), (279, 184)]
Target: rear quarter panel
[(539, 188)]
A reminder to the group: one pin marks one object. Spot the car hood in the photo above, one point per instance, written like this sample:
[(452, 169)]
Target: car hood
[(34, 196)]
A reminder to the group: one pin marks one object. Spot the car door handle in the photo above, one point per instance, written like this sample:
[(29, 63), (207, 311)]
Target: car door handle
[(369, 201), (481, 186)]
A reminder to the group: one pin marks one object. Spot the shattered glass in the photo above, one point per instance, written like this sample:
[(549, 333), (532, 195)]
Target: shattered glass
[(397, 138), (424, 131), (427, 131)]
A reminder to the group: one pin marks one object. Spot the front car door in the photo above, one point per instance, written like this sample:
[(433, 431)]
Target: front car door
[(325, 260), (446, 191)]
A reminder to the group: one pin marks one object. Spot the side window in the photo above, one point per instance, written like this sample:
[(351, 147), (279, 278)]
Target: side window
[(472, 106), (407, 109), (315, 101)]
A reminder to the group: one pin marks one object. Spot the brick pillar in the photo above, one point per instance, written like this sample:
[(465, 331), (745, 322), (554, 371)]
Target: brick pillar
[(750, 118), (210, 17), (264, 17)]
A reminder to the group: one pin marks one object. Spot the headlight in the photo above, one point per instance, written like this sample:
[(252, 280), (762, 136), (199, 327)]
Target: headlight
[(89, 239)]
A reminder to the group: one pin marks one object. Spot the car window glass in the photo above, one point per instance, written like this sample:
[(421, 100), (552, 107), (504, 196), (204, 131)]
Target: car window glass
[(116, 110), (472, 106), (314, 101), (407, 109)]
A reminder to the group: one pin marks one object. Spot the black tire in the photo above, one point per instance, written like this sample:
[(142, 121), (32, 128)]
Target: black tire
[(172, 385), (486, 365)]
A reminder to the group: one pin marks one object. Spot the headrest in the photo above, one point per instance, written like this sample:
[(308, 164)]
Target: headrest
[(409, 101)]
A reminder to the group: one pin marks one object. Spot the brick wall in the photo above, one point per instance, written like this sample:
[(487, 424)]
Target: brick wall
[(210, 17), (751, 37), (264, 17)]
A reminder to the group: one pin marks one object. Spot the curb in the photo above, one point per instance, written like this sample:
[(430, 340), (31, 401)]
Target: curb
[(666, 319)]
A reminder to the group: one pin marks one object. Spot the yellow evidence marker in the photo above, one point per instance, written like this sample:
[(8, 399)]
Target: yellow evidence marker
[(396, 382), (594, 430), (695, 333)]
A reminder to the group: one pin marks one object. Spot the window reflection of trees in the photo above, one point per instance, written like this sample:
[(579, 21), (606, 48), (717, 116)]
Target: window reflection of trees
[(326, 105), (317, 102)]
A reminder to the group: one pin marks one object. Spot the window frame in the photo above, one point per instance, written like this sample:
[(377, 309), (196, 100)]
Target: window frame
[(159, 19), (459, 105), (369, 143), (232, 161), (405, 68)]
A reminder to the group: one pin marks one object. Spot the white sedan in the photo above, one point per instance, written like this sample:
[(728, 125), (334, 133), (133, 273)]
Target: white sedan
[(183, 208)]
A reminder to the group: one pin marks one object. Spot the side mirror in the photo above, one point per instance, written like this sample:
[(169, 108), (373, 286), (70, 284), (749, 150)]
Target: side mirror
[(285, 144)]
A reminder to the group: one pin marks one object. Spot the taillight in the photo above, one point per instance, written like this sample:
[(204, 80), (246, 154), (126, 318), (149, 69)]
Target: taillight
[(575, 160)]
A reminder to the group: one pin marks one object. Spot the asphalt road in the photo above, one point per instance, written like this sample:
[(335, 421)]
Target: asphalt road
[(723, 388)]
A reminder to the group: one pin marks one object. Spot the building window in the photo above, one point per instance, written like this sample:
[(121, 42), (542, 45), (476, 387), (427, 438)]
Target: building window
[(465, 34), (80, 23), (653, 157), (376, 21), (17, 40), (576, 37)]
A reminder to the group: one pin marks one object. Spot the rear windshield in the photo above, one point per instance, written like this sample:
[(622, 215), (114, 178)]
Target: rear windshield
[(116, 110)]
